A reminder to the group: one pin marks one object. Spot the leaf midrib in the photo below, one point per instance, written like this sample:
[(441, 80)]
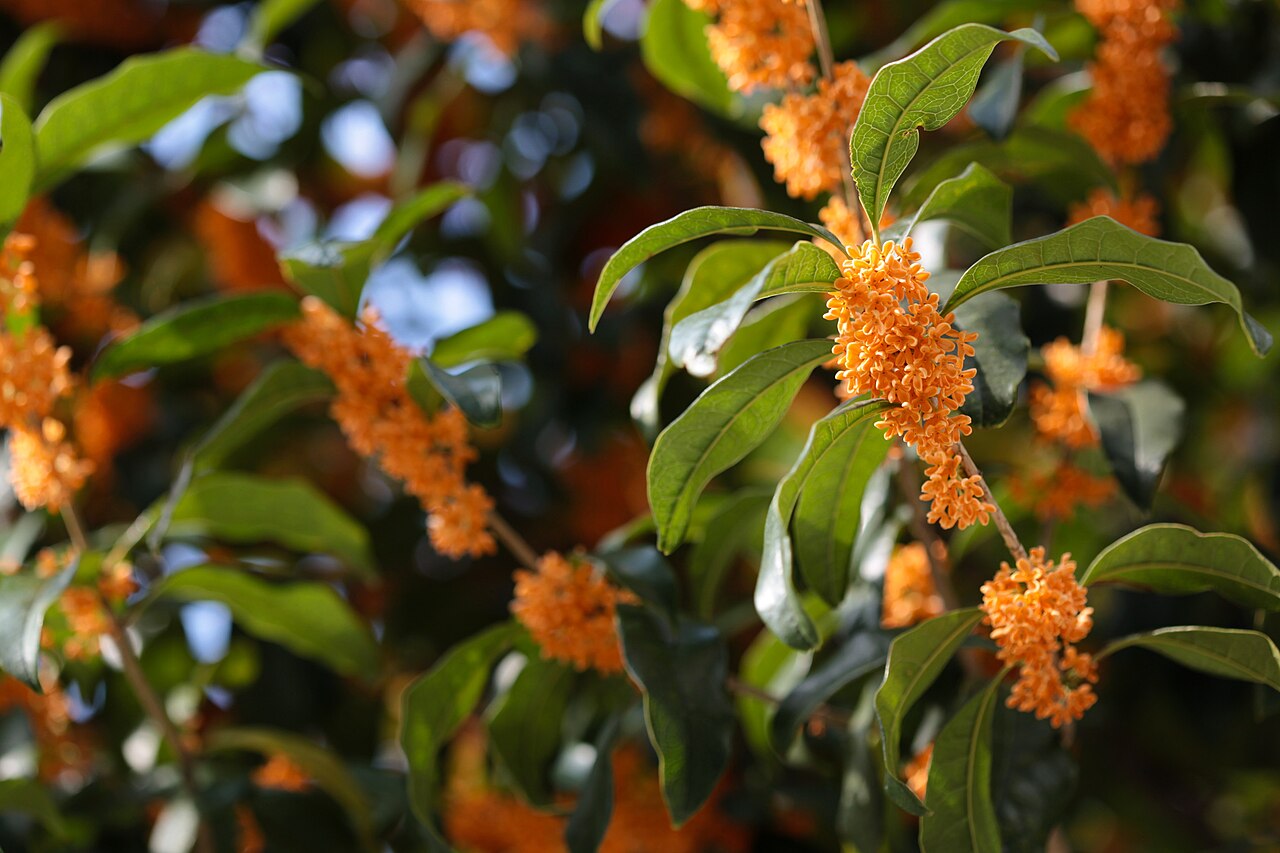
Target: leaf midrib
[(1174, 565), (1178, 642), (995, 283)]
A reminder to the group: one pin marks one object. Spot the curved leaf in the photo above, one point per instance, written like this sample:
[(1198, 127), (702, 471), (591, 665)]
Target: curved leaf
[(1101, 249), (683, 228), (194, 329), (17, 160), (767, 326), (674, 50), (594, 808), (505, 336), (270, 18), (405, 216), (24, 61), (142, 95), (736, 527), (1230, 653), (334, 271), (975, 200), (524, 727), (961, 816), (925, 90), (860, 655), (725, 423), (1177, 560), (916, 658), (995, 106), (1140, 426), (476, 391), (24, 598), (999, 356)]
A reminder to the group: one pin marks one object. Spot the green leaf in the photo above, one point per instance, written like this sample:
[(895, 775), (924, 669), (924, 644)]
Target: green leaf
[(476, 391), (995, 106), (736, 527), (1101, 249), (727, 421), (1173, 559), (524, 727), (594, 808), (331, 270), (327, 769), (1140, 425), (246, 508), (24, 598), (860, 655), (270, 18), (127, 106), (697, 338), (961, 816), (593, 28), (406, 215), (674, 50), (767, 326), (506, 336), (30, 797), (1033, 779), (24, 61), (843, 449), (860, 812), (925, 90), (999, 356), (1243, 655), (681, 670), (307, 617), (916, 658), (193, 329), (975, 200), (774, 669), (17, 160), (686, 227), (644, 571)]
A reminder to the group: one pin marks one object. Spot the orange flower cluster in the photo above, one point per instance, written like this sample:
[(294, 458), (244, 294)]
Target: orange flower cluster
[(110, 417), (913, 357), (1141, 212), (281, 773), (238, 256), (909, 593), (1037, 612), (807, 136), (62, 747), (760, 43), (568, 608), (1058, 493), (1058, 409), (842, 222), (81, 606), (1126, 116), (380, 418), (506, 23), (917, 771)]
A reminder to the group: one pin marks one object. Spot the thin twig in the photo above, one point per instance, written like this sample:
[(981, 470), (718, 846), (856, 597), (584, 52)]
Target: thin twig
[(924, 532), (1007, 533), (1094, 311), (826, 60), (513, 542), (825, 713)]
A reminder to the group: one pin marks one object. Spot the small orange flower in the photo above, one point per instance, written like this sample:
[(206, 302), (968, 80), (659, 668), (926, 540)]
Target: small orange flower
[(281, 773), (568, 608), (1058, 493), (1139, 213), (761, 43), (506, 23), (1037, 613), (64, 750), (1058, 409), (909, 592), (44, 468), (33, 375), (917, 771)]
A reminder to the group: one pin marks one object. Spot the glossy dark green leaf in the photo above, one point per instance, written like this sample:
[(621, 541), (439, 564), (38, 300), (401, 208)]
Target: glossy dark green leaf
[(674, 49), (767, 326), (644, 571), (24, 61), (773, 668), (924, 90), (999, 356), (333, 271), (1033, 779), (1229, 653), (726, 422), (1140, 426), (916, 659), (686, 227), (860, 812), (681, 669), (1177, 560), (193, 329), (696, 339), (1101, 249), (326, 768), (17, 160), (246, 508), (270, 18), (594, 808), (1056, 101), (128, 105), (961, 816), (476, 391), (843, 449), (438, 702), (995, 104), (24, 598), (307, 617), (975, 200), (524, 727), (506, 336), (859, 656), (736, 528)]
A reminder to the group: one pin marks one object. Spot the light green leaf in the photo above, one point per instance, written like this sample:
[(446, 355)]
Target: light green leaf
[(437, 703), (1140, 425), (245, 508), (674, 50), (24, 598), (925, 90), (193, 329), (842, 451), (736, 527), (774, 669), (1243, 655), (127, 106), (406, 215), (916, 659), (1177, 560), (725, 423), (326, 768), (270, 18), (975, 200), (506, 336), (22, 65), (681, 670), (476, 391), (307, 617), (767, 326), (999, 356), (334, 271), (1101, 249), (686, 227), (17, 161), (961, 817), (524, 725)]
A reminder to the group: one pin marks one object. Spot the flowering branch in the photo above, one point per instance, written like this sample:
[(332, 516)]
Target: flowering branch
[(825, 713), (1007, 533), (513, 541), (1094, 311), (924, 532), (826, 59)]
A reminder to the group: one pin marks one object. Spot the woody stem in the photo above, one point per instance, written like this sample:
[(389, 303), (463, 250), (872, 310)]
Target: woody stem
[(513, 541), (934, 547), (1093, 314), (826, 61), (832, 716), (1007, 533)]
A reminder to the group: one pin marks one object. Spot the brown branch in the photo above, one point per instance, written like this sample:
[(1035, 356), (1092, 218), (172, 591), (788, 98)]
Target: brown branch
[(924, 532), (513, 541), (827, 714), (1094, 311), (1007, 533), (826, 60)]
